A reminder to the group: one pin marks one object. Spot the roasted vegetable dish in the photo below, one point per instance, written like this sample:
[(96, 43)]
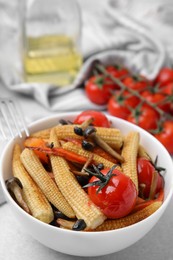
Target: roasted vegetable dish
[(86, 175)]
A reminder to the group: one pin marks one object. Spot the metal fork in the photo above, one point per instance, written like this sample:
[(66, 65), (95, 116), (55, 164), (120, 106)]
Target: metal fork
[(12, 122)]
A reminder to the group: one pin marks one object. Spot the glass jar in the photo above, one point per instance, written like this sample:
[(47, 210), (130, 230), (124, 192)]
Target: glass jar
[(51, 40)]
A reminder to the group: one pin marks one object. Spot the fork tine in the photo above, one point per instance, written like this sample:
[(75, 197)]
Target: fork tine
[(12, 119), (12, 108), (21, 117), (5, 116), (2, 130)]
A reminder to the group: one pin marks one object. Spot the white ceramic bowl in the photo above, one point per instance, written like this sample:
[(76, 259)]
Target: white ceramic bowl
[(89, 243)]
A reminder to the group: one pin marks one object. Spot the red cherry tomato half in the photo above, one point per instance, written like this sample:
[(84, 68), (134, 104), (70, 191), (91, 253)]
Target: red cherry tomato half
[(118, 198), (99, 118), (99, 90), (145, 176), (164, 77), (166, 136)]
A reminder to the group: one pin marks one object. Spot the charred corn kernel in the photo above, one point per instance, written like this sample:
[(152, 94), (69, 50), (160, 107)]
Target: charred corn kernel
[(73, 192), (96, 158), (33, 196), (44, 181), (129, 153), (142, 153), (111, 136), (130, 219)]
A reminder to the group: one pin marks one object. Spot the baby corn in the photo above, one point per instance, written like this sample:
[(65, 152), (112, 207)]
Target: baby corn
[(73, 192), (44, 134), (111, 136), (33, 196), (130, 219), (129, 153), (44, 181)]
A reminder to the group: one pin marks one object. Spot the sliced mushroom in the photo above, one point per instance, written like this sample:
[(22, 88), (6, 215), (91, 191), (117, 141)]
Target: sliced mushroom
[(90, 132), (15, 187)]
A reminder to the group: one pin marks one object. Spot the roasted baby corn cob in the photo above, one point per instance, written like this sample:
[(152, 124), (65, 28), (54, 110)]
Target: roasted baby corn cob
[(44, 134), (33, 196), (111, 136), (129, 153), (112, 224), (73, 192), (44, 181), (130, 219), (80, 151)]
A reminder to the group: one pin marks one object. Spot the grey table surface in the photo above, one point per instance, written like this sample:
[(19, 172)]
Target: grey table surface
[(15, 243)]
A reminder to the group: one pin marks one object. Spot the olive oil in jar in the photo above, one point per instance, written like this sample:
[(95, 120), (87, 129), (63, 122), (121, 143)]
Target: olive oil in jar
[(52, 59)]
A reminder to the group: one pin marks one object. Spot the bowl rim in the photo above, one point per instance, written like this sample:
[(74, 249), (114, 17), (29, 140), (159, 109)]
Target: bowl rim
[(95, 233)]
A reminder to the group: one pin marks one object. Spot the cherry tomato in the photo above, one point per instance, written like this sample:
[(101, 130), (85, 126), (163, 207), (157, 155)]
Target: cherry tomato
[(165, 76), (157, 98), (118, 72), (168, 89), (136, 83), (145, 176), (99, 118), (99, 90), (166, 136), (146, 118), (118, 198), (120, 105)]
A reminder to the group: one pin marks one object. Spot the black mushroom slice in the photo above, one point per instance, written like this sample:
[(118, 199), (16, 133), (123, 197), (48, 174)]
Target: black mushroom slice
[(78, 130), (87, 145), (79, 225), (91, 132)]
